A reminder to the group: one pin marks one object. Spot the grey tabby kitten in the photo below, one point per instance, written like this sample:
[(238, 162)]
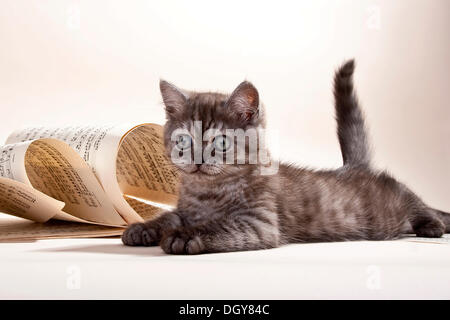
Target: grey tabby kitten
[(232, 207)]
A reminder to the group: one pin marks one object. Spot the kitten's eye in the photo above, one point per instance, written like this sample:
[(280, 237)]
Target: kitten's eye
[(222, 143), (183, 142)]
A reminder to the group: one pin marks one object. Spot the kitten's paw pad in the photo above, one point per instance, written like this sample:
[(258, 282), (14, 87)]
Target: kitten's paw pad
[(178, 242), (431, 229), (138, 234)]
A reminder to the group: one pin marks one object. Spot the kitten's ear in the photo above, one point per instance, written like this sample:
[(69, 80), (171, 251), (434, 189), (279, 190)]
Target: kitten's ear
[(244, 102), (174, 98)]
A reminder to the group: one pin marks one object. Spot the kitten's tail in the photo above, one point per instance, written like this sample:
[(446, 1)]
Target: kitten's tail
[(445, 217), (350, 121)]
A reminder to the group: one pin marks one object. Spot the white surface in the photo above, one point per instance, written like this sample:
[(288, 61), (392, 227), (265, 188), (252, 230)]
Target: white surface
[(107, 269)]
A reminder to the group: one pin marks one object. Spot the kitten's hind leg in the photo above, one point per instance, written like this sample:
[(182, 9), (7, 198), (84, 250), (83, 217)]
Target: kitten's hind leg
[(426, 223), (445, 217)]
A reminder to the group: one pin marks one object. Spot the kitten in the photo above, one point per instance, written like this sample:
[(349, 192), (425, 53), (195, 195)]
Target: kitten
[(233, 206)]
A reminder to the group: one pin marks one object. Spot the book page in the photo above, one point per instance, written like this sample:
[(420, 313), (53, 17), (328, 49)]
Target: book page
[(445, 239), (101, 146), (143, 170), (6, 154), (16, 229), (85, 140), (55, 169), (23, 201), (12, 161), (145, 210), (97, 145)]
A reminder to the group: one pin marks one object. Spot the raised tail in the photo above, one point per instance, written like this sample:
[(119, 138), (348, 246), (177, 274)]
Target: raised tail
[(350, 121)]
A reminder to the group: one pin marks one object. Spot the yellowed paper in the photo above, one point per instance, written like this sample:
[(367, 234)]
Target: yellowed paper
[(23, 201), (100, 147), (56, 169), (143, 170), (16, 229), (91, 169), (145, 210), (13, 166)]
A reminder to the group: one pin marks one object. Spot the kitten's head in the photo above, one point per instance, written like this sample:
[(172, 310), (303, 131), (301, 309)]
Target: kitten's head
[(208, 134)]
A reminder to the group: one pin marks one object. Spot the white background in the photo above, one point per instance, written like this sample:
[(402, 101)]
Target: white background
[(100, 61)]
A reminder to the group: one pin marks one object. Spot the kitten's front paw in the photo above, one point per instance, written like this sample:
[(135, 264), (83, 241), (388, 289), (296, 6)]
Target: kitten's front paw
[(139, 234), (182, 242)]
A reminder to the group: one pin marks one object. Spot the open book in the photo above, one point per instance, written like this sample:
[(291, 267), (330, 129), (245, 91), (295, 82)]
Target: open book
[(83, 180)]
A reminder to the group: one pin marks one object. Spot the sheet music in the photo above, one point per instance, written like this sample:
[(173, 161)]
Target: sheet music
[(5, 162), (84, 174), (142, 168)]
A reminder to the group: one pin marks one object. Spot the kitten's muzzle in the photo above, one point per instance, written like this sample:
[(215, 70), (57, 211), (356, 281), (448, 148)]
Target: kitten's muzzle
[(203, 168)]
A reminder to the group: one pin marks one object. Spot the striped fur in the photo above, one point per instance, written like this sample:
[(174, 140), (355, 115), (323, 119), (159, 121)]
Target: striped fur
[(233, 207), (351, 128)]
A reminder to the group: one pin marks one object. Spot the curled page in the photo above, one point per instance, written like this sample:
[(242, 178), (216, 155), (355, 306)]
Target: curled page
[(13, 229), (145, 210), (142, 168), (56, 170), (21, 200), (126, 160)]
